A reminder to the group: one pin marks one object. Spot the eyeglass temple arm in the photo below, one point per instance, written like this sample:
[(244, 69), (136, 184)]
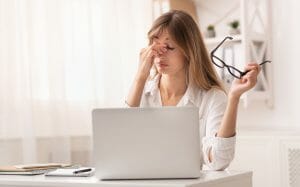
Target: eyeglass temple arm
[(266, 61), (227, 37)]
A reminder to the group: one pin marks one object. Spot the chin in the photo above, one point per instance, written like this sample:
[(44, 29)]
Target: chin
[(162, 71)]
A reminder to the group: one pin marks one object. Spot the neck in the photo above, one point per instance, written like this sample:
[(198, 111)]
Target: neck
[(173, 85)]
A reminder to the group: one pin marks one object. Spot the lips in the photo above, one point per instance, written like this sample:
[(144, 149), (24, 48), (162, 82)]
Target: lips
[(162, 64)]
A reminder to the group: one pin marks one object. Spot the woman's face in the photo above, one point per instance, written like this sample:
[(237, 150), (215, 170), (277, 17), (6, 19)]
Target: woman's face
[(172, 61)]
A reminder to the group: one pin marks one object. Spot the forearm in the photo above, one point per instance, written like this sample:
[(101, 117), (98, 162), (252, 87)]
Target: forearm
[(135, 92), (227, 128), (228, 124)]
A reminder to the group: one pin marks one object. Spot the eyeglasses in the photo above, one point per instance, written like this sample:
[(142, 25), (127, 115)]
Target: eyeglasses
[(221, 64)]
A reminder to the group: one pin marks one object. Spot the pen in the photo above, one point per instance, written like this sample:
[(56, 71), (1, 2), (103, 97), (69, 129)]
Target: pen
[(82, 170)]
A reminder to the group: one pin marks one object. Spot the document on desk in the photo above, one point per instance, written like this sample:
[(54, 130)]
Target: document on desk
[(42, 166), (11, 170), (78, 172), (30, 169)]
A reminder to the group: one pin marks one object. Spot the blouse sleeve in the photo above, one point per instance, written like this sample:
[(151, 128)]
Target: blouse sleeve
[(222, 149)]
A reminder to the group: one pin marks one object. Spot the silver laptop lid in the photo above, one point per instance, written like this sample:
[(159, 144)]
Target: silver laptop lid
[(136, 143)]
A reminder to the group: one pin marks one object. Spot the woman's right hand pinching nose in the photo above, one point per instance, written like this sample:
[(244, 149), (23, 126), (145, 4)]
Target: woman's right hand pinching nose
[(147, 56)]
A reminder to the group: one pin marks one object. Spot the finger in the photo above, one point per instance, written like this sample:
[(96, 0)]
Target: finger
[(244, 79), (253, 65), (152, 48), (246, 83), (148, 49), (251, 79), (164, 49), (255, 70), (160, 48), (251, 71), (154, 53), (149, 53), (251, 68), (252, 76), (160, 51)]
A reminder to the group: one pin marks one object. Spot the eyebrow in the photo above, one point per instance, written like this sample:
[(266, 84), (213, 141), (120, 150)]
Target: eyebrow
[(158, 37), (167, 39)]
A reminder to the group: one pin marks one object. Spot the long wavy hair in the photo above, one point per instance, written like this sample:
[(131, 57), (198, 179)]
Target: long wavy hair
[(186, 34)]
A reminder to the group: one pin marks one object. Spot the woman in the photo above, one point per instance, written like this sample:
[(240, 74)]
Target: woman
[(184, 76)]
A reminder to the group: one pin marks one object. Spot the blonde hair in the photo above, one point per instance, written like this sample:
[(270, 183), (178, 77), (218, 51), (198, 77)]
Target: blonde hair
[(186, 34)]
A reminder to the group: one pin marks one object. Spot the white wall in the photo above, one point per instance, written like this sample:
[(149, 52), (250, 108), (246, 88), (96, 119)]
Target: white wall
[(286, 76)]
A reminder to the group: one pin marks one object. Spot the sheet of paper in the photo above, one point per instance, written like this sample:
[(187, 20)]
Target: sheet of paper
[(70, 172)]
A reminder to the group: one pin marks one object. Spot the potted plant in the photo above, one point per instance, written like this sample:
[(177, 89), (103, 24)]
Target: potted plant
[(210, 31), (234, 27)]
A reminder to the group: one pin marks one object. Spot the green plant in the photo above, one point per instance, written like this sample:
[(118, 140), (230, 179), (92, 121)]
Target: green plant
[(210, 27), (234, 24)]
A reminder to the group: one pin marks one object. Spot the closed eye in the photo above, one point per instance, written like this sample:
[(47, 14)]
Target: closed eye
[(170, 48)]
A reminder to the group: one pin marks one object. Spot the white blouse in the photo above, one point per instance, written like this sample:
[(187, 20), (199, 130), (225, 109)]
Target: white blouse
[(211, 106)]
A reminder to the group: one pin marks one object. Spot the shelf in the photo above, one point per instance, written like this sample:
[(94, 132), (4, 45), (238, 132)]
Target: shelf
[(216, 40), (236, 38)]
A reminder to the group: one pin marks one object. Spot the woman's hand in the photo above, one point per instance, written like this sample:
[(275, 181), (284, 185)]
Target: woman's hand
[(248, 81), (147, 56)]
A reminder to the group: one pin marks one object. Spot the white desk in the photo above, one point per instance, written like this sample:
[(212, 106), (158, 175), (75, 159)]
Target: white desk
[(208, 179)]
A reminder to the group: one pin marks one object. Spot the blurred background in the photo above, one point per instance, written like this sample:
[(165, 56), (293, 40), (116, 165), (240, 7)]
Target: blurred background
[(59, 59)]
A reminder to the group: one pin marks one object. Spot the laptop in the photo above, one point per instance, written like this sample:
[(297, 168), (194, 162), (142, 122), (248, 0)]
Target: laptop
[(146, 143)]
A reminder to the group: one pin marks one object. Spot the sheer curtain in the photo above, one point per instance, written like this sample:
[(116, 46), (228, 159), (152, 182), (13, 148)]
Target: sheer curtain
[(59, 59)]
